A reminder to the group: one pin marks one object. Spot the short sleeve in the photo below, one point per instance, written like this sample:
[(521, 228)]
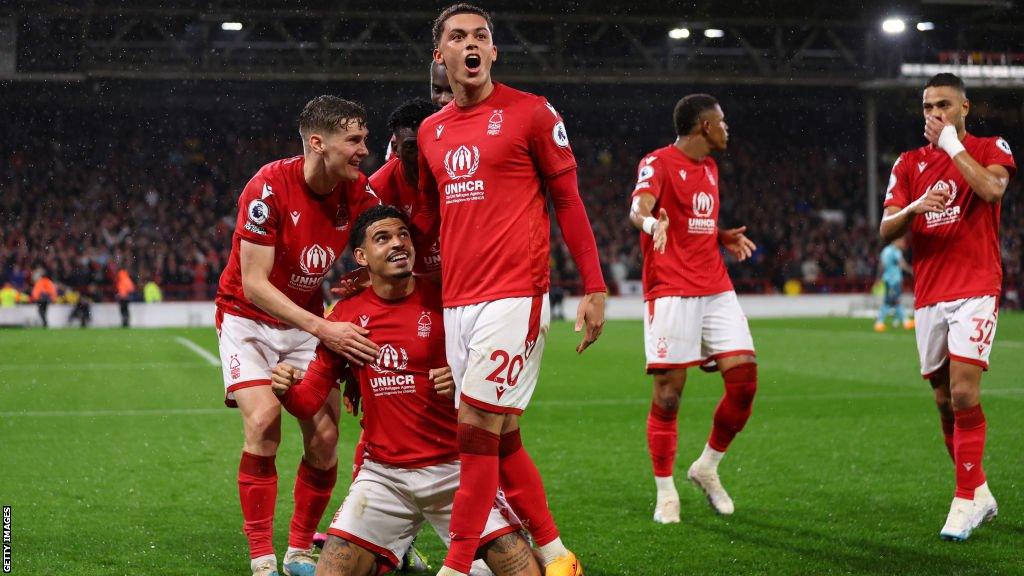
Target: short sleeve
[(649, 177), (897, 193), (257, 212), (999, 154), (549, 142)]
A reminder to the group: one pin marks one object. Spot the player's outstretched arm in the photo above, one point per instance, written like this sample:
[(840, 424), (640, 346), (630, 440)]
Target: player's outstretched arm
[(344, 338), (579, 237), (988, 182), (642, 217), (736, 242)]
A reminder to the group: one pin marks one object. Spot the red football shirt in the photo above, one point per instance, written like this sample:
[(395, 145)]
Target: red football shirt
[(692, 264), (308, 233), (956, 252), (406, 423), (484, 167), (391, 186)]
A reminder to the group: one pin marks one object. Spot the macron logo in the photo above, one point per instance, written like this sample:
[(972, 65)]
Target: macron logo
[(968, 466), (267, 191), (921, 166), (437, 131), (295, 217), (364, 320)]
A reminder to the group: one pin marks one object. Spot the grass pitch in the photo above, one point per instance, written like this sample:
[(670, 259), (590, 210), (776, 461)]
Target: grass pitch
[(117, 457)]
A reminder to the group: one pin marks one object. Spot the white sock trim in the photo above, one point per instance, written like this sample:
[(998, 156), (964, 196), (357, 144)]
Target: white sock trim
[(665, 484), (711, 457), (260, 559)]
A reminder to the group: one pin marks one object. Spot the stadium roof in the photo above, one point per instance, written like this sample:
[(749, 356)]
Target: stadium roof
[(585, 41)]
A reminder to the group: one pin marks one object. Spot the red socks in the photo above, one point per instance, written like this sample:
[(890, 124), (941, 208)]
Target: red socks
[(524, 489), (662, 439), (734, 409), (947, 434), (968, 449), (257, 489), (478, 485), (313, 489)]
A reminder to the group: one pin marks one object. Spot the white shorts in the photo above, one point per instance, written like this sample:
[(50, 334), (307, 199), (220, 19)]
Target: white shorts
[(494, 350), (386, 507), (680, 332), (249, 351), (961, 330)]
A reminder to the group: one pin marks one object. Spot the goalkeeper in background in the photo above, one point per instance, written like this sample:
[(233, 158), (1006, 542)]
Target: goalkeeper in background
[(891, 266)]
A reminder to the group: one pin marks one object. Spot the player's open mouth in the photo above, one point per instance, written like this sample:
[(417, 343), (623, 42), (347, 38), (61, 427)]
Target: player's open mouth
[(400, 256), (473, 63)]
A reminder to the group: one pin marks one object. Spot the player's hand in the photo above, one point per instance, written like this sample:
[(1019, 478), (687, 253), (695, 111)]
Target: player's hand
[(660, 234), (933, 128), (350, 341), (444, 382), (737, 243), (284, 377), (590, 313), (352, 283), (351, 395), (934, 200)]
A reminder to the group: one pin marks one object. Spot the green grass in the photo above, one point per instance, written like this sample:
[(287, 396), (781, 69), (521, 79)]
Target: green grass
[(118, 458)]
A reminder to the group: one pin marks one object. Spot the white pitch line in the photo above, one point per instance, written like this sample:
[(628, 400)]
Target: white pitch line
[(213, 360), (101, 366), (137, 412)]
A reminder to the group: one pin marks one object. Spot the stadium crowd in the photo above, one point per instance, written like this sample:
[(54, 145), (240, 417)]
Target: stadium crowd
[(159, 201)]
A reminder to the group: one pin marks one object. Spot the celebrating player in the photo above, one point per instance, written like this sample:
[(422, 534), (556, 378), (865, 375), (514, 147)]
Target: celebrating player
[(947, 194), (440, 88), (692, 316), (891, 267), (485, 165), (293, 222), (411, 471), (396, 182)]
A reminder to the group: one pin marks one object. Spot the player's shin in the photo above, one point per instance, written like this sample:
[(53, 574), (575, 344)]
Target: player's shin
[(734, 409), (478, 486), (948, 430), (312, 493), (257, 490), (969, 448), (662, 439), (524, 491)]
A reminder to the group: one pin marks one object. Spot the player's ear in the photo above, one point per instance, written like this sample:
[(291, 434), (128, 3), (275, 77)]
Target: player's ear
[(966, 107), (494, 53), (360, 256), (316, 143), (437, 57)]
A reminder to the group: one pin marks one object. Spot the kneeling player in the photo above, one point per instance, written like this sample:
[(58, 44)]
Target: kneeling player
[(692, 316), (411, 470)]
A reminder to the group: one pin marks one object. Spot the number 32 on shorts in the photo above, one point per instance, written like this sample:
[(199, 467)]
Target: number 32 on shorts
[(983, 328)]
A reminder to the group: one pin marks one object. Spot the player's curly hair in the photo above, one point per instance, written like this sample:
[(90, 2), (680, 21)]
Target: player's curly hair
[(410, 114), (688, 111), (454, 9), (330, 114), (947, 79), (369, 216)]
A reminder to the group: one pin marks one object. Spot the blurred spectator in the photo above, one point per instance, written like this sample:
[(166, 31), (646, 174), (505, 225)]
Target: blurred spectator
[(125, 290), (44, 291), (82, 311), (9, 296), (151, 292)]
